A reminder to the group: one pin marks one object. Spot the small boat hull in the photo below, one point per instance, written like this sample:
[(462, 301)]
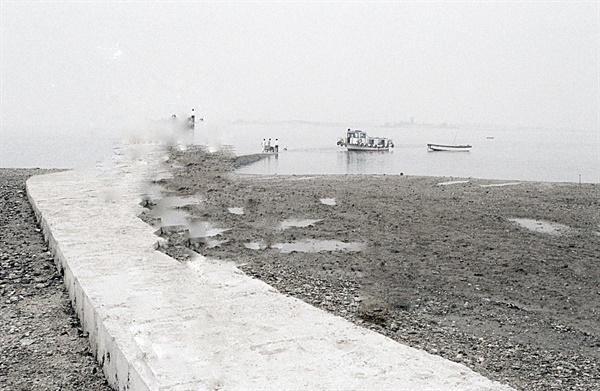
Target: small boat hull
[(351, 147), (448, 148)]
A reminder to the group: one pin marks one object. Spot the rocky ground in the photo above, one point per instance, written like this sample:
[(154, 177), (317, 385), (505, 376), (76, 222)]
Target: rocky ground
[(442, 268), (42, 345), (437, 267)]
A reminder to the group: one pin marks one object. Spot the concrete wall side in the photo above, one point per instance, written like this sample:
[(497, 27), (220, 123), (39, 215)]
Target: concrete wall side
[(117, 370)]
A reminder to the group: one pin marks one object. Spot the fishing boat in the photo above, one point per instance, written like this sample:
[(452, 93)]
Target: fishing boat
[(448, 148), (358, 140)]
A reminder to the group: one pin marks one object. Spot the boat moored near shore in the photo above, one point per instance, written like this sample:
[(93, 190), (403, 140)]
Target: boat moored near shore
[(358, 140), (448, 148)]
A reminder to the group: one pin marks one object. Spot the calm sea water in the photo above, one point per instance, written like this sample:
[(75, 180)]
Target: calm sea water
[(553, 155)]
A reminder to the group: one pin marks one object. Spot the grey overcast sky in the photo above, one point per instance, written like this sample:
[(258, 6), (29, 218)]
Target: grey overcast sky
[(107, 64)]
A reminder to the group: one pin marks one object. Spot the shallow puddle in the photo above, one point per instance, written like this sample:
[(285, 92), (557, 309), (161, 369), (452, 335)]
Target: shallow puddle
[(166, 210), (328, 201), (315, 246), (169, 217), (297, 223), (451, 183), (541, 226), (212, 243), (176, 202), (255, 245), (203, 229), (501, 184), (236, 211)]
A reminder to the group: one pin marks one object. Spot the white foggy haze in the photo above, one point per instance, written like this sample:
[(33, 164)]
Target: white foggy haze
[(88, 67)]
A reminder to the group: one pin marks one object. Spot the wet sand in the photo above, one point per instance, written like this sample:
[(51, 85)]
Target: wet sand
[(499, 275)]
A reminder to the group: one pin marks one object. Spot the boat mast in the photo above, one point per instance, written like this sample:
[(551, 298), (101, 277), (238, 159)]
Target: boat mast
[(456, 134)]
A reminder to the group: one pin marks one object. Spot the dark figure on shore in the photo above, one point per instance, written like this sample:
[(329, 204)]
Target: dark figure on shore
[(193, 120)]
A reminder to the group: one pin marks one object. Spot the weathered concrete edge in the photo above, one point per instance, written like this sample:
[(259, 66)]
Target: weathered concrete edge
[(119, 372)]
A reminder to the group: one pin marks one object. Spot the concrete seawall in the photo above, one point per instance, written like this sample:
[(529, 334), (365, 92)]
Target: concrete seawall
[(157, 324), (249, 159)]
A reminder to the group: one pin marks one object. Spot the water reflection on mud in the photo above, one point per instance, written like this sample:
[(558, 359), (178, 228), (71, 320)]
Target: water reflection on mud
[(297, 223), (203, 229), (167, 214), (315, 246), (255, 245), (236, 211), (542, 226), (211, 243), (171, 217), (328, 201), (451, 183)]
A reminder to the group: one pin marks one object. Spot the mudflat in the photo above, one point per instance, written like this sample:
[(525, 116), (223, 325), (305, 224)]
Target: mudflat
[(499, 275)]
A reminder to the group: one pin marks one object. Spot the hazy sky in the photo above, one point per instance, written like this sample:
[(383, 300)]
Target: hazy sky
[(108, 64)]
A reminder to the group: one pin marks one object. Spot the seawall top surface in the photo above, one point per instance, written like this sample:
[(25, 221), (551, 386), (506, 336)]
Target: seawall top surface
[(160, 324)]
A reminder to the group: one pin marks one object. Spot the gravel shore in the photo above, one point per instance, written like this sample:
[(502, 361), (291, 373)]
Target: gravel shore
[(42, 345), (443, 264), (500, 276)]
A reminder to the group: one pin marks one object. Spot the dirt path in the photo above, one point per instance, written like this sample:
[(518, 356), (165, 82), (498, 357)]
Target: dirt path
[(439, 267)]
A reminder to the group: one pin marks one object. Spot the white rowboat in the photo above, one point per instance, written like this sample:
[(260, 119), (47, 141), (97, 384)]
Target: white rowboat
[(448, 148)]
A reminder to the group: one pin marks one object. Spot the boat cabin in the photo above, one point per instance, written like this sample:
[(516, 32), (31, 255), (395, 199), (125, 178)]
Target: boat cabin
[(356, 137)]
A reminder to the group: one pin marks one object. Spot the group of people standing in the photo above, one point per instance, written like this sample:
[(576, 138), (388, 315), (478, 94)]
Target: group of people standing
[(267, 147), (191, 119)]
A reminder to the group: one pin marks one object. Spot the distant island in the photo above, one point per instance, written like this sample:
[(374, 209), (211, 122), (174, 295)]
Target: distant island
[(351, 124), (412, 124)]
